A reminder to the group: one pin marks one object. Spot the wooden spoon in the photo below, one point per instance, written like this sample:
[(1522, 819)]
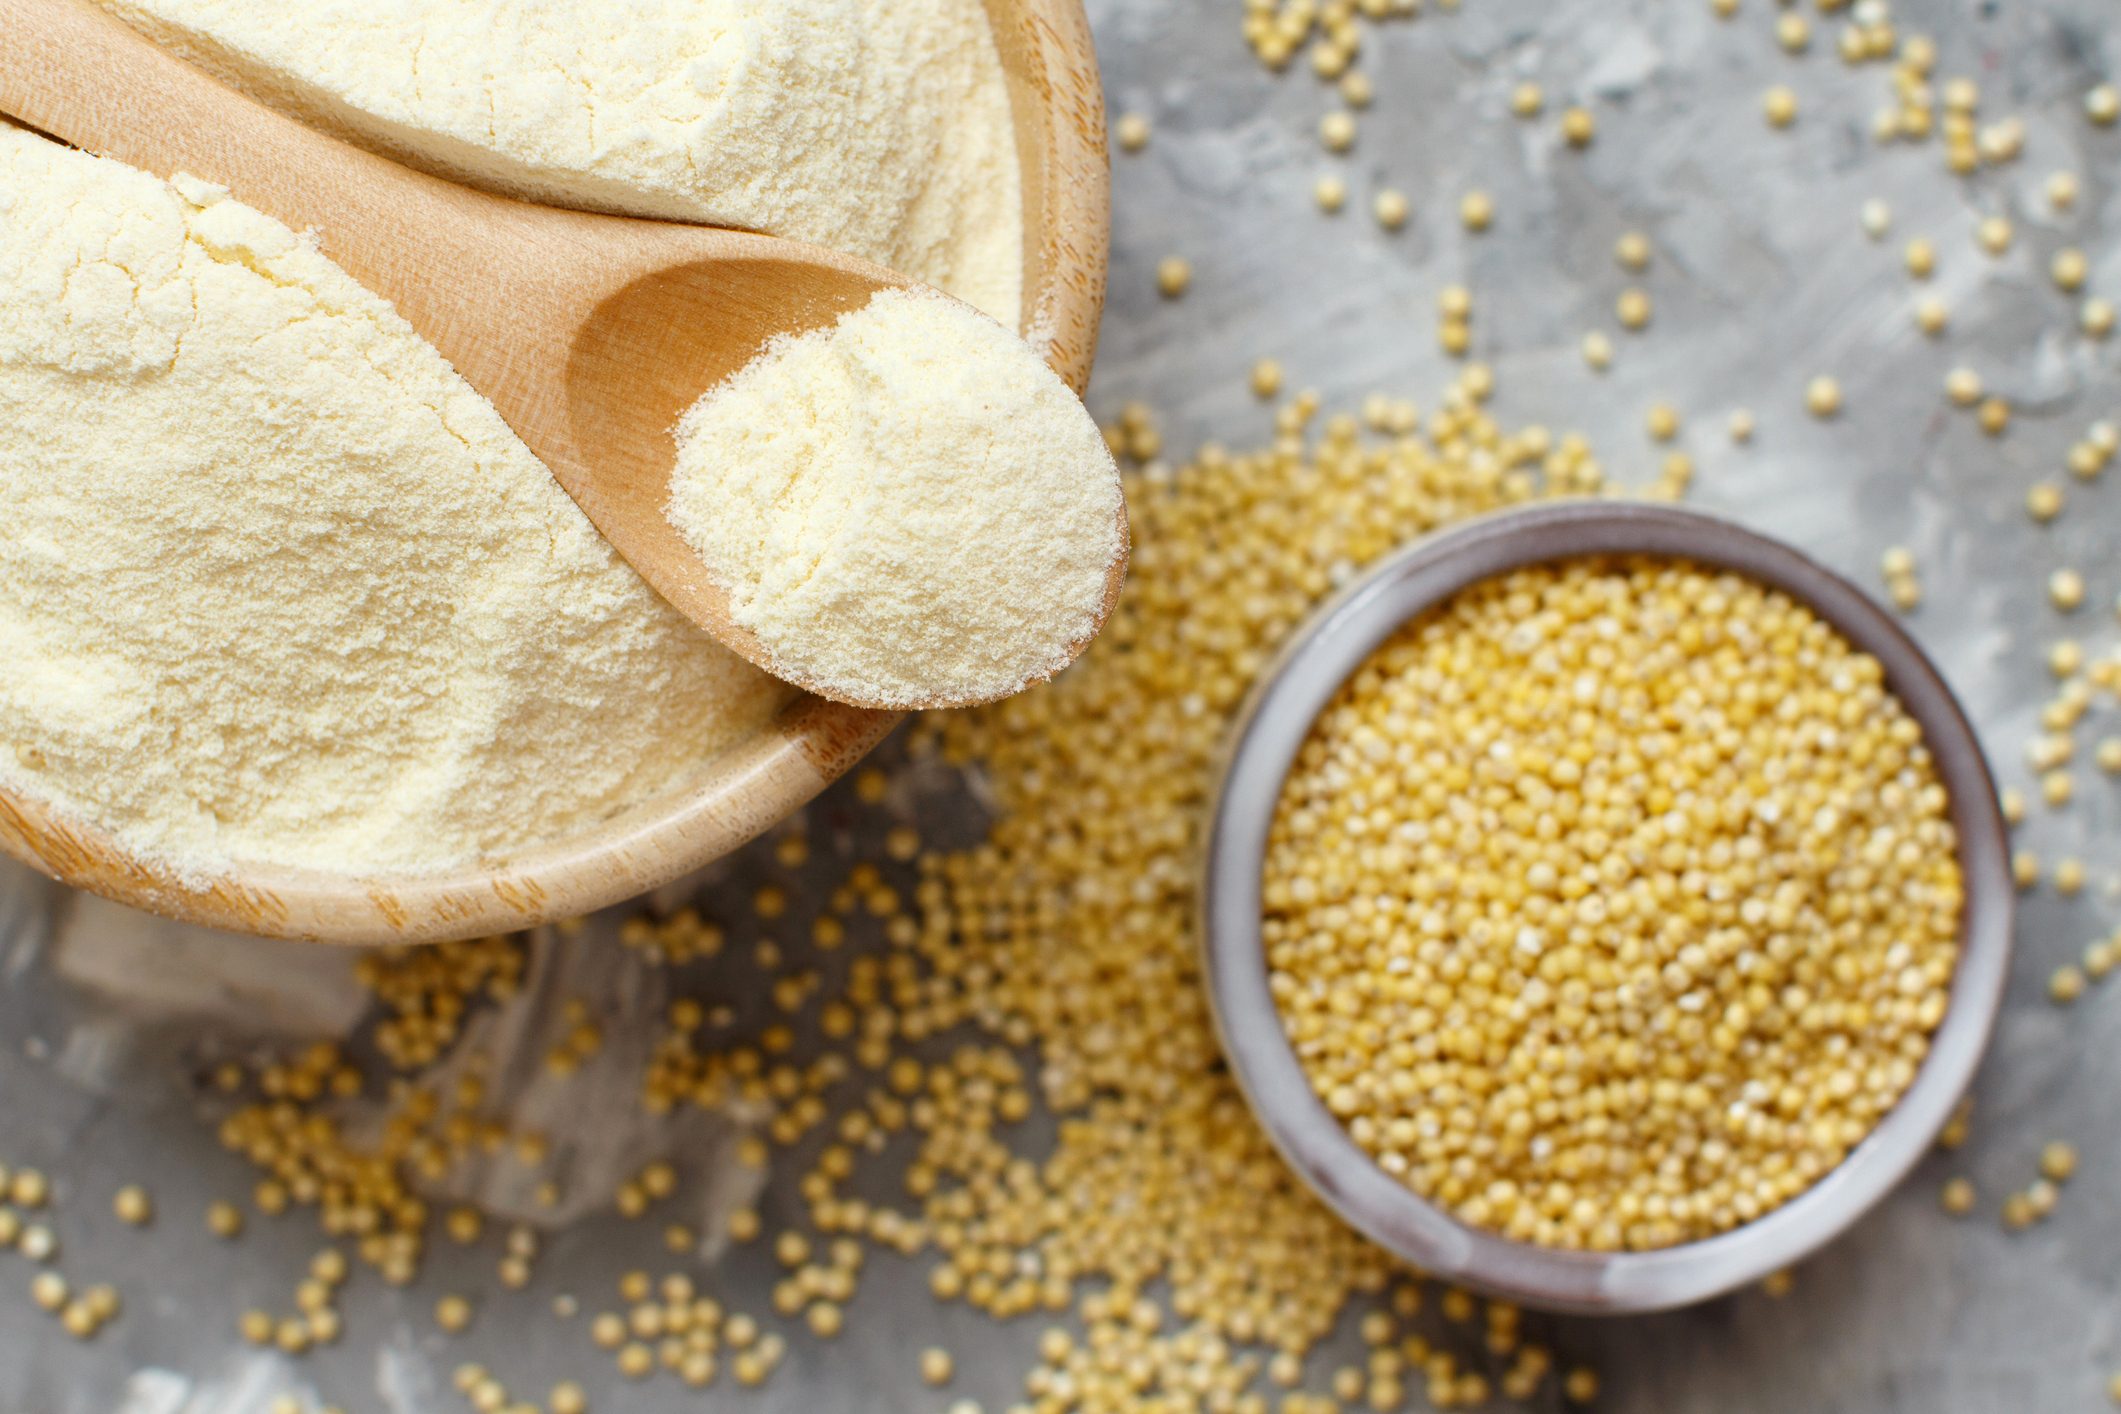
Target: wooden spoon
[(590, 334)]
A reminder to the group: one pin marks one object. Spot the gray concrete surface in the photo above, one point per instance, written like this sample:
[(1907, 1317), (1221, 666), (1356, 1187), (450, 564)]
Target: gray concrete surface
[(1762, 278)]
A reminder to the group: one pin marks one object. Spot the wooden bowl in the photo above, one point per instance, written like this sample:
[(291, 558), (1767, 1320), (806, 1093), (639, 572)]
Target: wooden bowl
[(1058, 105)]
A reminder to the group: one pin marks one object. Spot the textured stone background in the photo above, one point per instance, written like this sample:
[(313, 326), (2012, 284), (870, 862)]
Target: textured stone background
[(1762, 279)]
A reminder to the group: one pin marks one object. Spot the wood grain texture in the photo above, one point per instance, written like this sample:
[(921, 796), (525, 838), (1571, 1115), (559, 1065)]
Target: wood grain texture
[(626, 285)]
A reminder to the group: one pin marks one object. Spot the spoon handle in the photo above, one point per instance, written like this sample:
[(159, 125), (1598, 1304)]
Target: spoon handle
[(479, 275)]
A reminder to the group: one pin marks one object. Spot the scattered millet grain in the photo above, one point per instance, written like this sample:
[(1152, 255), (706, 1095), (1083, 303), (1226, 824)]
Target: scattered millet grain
[(1822, 397), (1174, 275), (2068, 269), (1132, 131), (132, 1205)]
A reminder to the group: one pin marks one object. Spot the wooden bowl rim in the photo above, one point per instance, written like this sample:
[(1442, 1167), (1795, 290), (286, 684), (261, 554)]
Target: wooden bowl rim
[(1057, 105)]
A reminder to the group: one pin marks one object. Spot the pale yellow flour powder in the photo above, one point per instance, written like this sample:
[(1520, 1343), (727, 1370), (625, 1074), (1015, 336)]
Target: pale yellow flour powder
[(275, 584), (907, 506), (876, 127)]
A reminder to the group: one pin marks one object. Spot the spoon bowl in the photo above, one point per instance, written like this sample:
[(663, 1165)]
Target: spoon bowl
[(1057, 105), (1273, 728)]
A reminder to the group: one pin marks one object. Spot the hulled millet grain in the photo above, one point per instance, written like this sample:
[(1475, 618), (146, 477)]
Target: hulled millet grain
[(1612, 903)]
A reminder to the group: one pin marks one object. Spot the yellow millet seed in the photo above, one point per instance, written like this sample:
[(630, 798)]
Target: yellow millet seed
[(1132, 130), (2103, 105), (29, 1189), (1931, 315), (1994, 234), (1597, 351), (38, 1243), (936, 1366), (1578, 127), (1957, 1197), (1662, 423), (132, 1205), (1963, 386), (1476, 210), (1793, 32), (1337, 131), (1780, 106), (2096, 317), (2058, 1161), (48, 1290), (1632, 309), (1391, 209), (1921, 257), (2065, 590), (1993, 416), (1822, 397), (2043, 502), (1174, 275), (1527, 100), (2068, 269), (1632, 250), (1331, 194), (2065, 984), (1561, 706), (224, 1220)]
